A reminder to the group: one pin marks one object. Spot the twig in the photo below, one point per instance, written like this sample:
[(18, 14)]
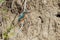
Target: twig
[(13, 20), (25, 5)]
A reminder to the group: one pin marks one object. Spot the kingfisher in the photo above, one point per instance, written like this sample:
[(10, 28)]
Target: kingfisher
[(22, 15)]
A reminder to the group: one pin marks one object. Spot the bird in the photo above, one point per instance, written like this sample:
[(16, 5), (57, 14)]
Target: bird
[(21, 16), (21, 19)]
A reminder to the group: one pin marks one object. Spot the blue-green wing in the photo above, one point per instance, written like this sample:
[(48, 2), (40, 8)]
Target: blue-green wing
[(21, 16)]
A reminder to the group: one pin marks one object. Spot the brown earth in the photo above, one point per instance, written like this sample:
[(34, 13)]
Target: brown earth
[(42, 23)]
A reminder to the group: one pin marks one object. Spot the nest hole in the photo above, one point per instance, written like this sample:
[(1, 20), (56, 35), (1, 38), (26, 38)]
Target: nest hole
[(58, 14), (41, 19)]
